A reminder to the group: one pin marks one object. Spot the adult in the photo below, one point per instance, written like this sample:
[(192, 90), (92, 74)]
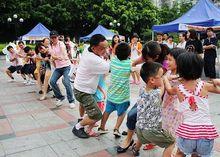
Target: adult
[(62, 68), (115, 41), (160, 38), (210, 45), (71, 47), (136, 48), (91, 66), (165, 38), (170, 42), (193, 44), (182, 41)]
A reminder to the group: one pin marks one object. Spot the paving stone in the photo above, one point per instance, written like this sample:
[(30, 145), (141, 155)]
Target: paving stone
[(19, 144), (66, 134), (2, 151), (38, 152), (51, 137), (63, 150), (23, 123), (13, 109)]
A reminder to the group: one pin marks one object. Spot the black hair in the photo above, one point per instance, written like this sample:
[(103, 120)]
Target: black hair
[(9, 47), (122, 51), (193, 34), (165, 50), (160, 33), (151, 50), (95, 40), (113, 42), (184, 35), (38, 46), (175, 52), (45, 39), (170, 37), (149, 69), (210, 29), (134, 35), (27, 49), (189, 66), (20, 42)]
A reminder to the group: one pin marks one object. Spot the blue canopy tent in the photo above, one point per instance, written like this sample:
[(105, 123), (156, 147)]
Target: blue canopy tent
[(204, 13), (99, 30), (37, 33)]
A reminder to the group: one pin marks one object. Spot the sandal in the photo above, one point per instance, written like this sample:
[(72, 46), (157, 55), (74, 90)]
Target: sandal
[(134, 151), (116, 133)]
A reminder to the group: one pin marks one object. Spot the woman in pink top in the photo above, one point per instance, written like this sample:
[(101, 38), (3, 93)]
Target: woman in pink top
[(62, 68), (196, 133)]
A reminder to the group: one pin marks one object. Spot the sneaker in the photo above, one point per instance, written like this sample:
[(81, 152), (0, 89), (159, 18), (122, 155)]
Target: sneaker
[(59, 103), (102, 131), (28, 83), (116, 133), (80, 133), (25, 81), (72, 105)]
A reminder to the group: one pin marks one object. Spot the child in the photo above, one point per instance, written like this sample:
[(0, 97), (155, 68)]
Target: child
[(196, 133), (170, 117), (118, 94), (29, 66), (149, 116), (100, 97), (16, 65)]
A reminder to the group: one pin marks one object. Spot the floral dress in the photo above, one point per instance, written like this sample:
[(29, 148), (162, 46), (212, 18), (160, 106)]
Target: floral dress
[(170, 116)]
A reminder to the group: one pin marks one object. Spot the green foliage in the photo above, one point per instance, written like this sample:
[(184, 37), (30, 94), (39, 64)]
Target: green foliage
[(80, 17)]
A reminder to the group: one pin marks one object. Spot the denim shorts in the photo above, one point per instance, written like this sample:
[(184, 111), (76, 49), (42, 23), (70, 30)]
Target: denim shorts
[(132, 118), (202, 147), (120, 108)]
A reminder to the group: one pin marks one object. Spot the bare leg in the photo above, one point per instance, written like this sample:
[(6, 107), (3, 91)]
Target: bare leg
[(119, 121), (46, 83), (127, 140), (138, 145), (138, 76), (104, 120), (9, 73), (87, 121), (167, 151), (133, 76), (81, 111)]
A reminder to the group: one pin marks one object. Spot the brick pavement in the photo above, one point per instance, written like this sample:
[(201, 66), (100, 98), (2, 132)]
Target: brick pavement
[(29, 127)]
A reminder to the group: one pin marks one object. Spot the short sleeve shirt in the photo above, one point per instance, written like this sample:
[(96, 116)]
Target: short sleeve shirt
[(210, 52), (149, 110), (119, 89)]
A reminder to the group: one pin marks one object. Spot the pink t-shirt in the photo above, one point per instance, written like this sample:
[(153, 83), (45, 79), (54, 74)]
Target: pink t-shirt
[(59, 50), (16, 62)]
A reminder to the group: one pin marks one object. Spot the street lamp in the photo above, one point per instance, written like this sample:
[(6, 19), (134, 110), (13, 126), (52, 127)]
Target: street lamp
[(16, 22), (114, 24)]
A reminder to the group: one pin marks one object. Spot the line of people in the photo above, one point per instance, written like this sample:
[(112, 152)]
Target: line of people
[(172, 109)]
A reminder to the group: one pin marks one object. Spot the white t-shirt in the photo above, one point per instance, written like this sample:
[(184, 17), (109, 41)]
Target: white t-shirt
[(182, 45), (89, 69)]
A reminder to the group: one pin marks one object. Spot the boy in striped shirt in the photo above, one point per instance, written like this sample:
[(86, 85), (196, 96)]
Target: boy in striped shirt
[(118, 94)]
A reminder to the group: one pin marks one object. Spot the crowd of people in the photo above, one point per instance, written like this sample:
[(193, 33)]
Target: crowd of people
[(172, 109)]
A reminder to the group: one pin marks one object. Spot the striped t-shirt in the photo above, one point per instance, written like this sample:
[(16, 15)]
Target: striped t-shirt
[(119, 89)]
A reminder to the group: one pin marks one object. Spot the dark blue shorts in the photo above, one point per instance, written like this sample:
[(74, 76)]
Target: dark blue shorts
[(120, 108)]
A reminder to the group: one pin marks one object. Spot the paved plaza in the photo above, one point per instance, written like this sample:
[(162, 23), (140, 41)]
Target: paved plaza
[(33, 128)]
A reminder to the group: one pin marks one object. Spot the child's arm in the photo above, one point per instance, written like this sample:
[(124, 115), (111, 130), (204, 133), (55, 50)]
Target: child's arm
[(214, 87), (170, 90), (162, 89), (103, 92)]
